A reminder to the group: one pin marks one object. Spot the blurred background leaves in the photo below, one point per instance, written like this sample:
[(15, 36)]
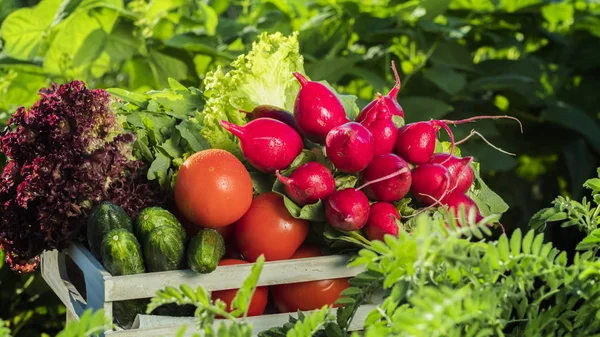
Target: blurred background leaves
[(533, 59)]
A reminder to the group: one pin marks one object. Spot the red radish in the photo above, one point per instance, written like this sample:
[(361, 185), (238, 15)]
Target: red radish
[(416, 141), (454, 201), (461, 173), (270, 111), (350, 147), (308, 183), (430, 183), (383, 219), (385, 133), (347, 209), (383, 106), (317, 110), (268, 144), (391, 189)]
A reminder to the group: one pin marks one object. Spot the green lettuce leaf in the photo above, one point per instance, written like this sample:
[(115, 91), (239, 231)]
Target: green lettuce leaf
[(262, 76)]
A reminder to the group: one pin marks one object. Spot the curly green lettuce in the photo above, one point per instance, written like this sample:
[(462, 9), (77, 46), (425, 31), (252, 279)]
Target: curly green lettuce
[(262, 76)]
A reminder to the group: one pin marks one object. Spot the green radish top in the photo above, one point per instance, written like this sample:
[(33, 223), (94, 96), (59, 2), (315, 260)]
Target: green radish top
[(122, 253), (104, 218), (152, 218)]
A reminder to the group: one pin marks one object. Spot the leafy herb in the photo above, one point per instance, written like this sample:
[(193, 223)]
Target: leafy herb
[(166, 135), (585, 215)]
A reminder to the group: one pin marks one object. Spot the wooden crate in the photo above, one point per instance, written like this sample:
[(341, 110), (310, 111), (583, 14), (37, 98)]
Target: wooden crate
[(81, 282)]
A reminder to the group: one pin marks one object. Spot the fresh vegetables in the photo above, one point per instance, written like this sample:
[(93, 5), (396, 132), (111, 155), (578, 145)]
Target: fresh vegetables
[(308, 183), (317, 110), (392, 189), (273, 176), (259, 300), (260, 77), (383, 219), (67, 153), (164, 249), (122, 255), (205, 250), (459, 169), (213, 189), (347, 209), (268, 228), (350, 147), (104, 218), (431, 183), (415, 142), (311, 295), (383, 107), (268, 144), (152, 218)]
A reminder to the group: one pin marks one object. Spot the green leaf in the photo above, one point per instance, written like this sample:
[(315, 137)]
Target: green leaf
[(434, 8), (159, 168), (543, 216), (345, 181), (167, 66), (243, 296), (527, 242), (190, 131), (312, 212), (591, 241), (141, 100), (23, 31), (515, 242), (304, 157), (579, 121), (498, 82), (446, 79), (487, 200), (452, 54), (420, 108), (261, 182)]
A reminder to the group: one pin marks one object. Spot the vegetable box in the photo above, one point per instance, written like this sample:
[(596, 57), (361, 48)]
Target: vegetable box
[(81, 282)]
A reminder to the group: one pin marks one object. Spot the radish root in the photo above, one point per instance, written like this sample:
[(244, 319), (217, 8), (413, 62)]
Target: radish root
[(473, 133)]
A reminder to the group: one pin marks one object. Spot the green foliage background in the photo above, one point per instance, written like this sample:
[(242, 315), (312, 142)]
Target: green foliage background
[(533, 59)]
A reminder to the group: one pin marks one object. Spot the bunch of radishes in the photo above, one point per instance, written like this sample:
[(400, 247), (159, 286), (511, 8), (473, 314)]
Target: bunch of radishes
[(389, 161)]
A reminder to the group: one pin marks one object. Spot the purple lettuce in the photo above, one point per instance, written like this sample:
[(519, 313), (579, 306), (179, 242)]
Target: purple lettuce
[(66, 154)]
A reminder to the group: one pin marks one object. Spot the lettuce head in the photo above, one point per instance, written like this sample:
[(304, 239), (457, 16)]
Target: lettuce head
[(262, 76)]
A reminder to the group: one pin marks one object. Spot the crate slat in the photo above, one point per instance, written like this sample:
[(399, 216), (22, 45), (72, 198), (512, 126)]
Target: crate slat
[(160, 326), (230, 277)]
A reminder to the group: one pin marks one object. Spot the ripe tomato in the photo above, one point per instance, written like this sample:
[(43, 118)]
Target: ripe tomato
[(307, 295), (268, 228), (259, 299), (213, 189)]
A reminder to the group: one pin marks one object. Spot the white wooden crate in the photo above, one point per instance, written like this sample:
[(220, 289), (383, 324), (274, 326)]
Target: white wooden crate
[(101, 288)]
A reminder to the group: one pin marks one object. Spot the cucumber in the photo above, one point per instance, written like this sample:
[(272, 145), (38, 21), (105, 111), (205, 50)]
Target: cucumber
[(122, 255), (152, 218), (104, 218), (164, 249), (205, 250)]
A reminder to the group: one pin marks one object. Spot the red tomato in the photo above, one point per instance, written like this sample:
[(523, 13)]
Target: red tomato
[(213, 189), (259, 299), (307, 295), (268, 228)]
